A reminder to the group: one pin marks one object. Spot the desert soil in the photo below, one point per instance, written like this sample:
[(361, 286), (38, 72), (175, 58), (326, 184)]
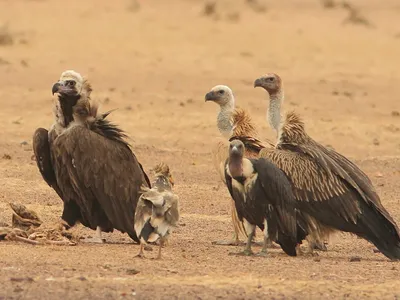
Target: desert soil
[(155, 62)]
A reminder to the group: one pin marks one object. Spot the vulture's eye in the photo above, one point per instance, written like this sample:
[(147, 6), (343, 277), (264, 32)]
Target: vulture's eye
[(71, 83), (221, 92), (270, 78)]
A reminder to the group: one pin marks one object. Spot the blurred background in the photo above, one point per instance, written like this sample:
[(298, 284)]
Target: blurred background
[(155, 60)]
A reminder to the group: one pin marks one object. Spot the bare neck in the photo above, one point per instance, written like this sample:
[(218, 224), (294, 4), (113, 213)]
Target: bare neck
[(224, 119), (274, 109)]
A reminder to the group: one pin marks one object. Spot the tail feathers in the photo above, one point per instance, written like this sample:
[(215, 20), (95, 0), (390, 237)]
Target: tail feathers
[(146, 231), (380, 231)]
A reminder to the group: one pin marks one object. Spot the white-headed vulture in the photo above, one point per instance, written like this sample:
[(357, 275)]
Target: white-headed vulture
[(233, 123)]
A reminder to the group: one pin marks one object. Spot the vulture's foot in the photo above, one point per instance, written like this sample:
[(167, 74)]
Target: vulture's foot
[(321, 246), (245, 252), (262, 253)]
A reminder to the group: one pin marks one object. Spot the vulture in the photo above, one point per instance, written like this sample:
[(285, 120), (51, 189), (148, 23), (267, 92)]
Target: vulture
[(88, 162), (157, 211), (233, 123), (263, 198), (329, 189)]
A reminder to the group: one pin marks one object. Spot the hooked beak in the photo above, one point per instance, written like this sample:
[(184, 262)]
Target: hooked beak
[(235, 150), (56, 88), (210, 96), (258, 82)]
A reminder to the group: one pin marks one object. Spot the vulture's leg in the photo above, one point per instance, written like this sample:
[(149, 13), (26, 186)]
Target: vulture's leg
[(160, 247), (141, 253), (267, 244), (238, 228), (247, 249), (318, 245)]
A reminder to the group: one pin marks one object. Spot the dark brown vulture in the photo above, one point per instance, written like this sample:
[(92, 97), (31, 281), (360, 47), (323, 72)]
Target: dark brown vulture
[(88, 162), (263, 197), (233, 123), (327, 186), (157, 212)]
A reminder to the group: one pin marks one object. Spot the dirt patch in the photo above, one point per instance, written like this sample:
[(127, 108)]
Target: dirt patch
[(155, 60)]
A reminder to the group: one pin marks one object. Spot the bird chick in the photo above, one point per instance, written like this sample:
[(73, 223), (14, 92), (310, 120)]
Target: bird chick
[(157, 211)]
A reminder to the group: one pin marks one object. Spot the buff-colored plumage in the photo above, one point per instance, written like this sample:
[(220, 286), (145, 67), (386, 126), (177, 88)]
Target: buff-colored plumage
[(332, 193)]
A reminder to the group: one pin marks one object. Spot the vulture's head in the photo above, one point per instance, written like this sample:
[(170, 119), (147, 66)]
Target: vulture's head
[(72, 84), (236, 153), (271, 82), (162, 170), (220, 94)]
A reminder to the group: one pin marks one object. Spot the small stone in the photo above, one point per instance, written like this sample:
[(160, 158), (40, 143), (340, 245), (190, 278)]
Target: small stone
[(395, 113), (23, 143), (82, 278), (6, 156), (317, 259), (375, 142), (354, 259), (132, 271)]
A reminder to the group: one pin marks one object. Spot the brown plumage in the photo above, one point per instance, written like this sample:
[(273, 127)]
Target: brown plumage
[(88, 162), (332, 192), (233, 123), (157, 211)]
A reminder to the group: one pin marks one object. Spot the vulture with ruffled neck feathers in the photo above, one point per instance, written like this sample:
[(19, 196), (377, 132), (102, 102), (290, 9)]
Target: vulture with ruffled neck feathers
[(233, 123), (329, 189), (88, 162)]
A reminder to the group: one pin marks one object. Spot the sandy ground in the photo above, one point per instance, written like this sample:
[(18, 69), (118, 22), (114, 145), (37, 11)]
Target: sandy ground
[(155, 63)]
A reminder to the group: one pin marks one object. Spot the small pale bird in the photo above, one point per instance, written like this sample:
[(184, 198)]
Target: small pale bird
[(157, 211)]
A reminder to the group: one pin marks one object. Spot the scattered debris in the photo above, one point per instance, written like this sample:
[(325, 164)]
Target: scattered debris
[(24, 143), (328, 4), (6, 38), (6, 156), (21, 279), (210, 8), (355, 17), (257, 6), (378, 174), (132, 271), (133, 6), (24, 63), (4, 62), (28, 228), (233, 17), (354, 259), (395, 113), (375, 141)]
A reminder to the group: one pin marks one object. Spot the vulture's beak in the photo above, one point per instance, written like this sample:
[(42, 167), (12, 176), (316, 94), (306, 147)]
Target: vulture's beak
[(235, 151), (210, 96), (258, 82), (56, 87)]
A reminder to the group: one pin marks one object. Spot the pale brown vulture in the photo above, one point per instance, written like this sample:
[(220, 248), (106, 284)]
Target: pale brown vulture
[(157, 212), (327, 186), (88, 162), (233, 123), (264, 198)]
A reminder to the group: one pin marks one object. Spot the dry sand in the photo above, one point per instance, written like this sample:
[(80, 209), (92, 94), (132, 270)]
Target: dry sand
[(155, 64)]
